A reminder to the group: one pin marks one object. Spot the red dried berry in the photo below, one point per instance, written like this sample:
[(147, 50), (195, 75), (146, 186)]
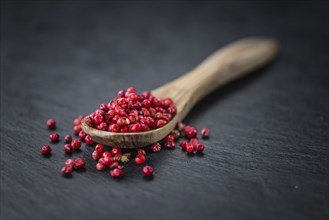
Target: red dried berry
[(116, 173), (194, 142), (68, 148), (114, 165), (117, 158), (205, 133), (106, 154), (88, 140), (51, 123), (77, 129), (183, 144), (77, 121), (67, 170), (107, 161), (170, 141), (76, 144), (156, 147), (189, 148), (141, 151), (140, 159), (69, 162), (79, 163), (147, 171), (99, 148), (54, 137), (199, 148), (82, 134), (96, 155), (68, 139), (116, 150), (190, 131), (100, 166), (46, 150)]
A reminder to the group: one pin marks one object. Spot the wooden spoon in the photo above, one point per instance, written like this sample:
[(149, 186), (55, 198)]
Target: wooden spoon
[(229, 63)]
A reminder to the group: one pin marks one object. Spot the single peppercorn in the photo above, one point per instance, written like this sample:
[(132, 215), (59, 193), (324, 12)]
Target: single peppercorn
[(140, 159), (69, 162), (116, 150), (88, 140), (68, 148), (79, 163), (82, 135), (99, 148), (76, 144), (96, 155), (116, 173), (183, 144), (189, 148), (100, 166), (68, 139), (170, 141), (199, 148), (147, 171), (205, 133), (54, 137), (51, 123), (156, 147), (46, 150), (67, 170)]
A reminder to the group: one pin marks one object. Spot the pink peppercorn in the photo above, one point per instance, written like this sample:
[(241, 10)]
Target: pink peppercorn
[(116, 150), (107, 161), (106, 154), (69, 162), (141, 151), (46, 150), (116, 173), (76, 144), (147, 171), (67, 170), (99, 148), (96, 155), (205, 133), (51, 123), (68, 148), (194, 142), (189, 148), (88, 140), (68, 139), (100, 166), (77, 129), (82, 134), (54, 137), (156, 147), (183, 144), (170, 141), (199, 148), (190, 131), (140, 159), (79, 163)]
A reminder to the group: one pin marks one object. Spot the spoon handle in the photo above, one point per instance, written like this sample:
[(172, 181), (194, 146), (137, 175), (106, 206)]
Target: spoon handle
[(226, 64)]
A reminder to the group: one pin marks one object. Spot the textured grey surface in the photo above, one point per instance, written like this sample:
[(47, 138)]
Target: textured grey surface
[(267, 157)]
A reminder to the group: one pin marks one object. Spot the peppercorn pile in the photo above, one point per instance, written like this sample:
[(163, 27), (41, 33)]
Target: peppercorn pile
[(132, 112), (129, 112)]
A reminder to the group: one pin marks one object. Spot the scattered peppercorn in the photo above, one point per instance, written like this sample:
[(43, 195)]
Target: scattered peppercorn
[(46, 150), (54, 137), (51, 123), (147, 171)]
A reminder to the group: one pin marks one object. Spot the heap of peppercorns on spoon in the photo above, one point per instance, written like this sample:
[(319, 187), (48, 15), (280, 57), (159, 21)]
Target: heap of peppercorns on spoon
[(134, 120)]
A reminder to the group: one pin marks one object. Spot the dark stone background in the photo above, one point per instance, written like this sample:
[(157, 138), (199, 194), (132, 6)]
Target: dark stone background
[(267, 157)]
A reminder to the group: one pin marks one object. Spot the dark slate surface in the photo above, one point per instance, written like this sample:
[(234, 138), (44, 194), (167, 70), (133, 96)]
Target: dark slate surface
[(267, 157)]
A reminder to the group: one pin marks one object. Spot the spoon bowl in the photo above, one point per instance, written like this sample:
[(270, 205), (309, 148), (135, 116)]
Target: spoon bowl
[(231, 62)]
